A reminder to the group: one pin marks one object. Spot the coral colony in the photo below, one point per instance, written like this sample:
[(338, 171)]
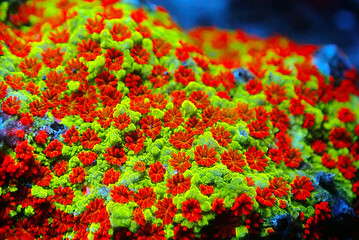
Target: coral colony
[(115, 124)]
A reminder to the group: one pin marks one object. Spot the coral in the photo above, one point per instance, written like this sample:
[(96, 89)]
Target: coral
[(204, 156), (173, 118), (117, 124), (301, 187), (135, 141), (156, 172), (255, 159), (53, 149), (221, 135), (111, 176), (242, 205), (191, 210), (180, 161), (182, 232), (151, 126), (145, 197), (184, 75), (89, 50), (278, 186), (30, 67), (159, 76), (52, 57), (11, 105), (71, 136), (233, 160), (121, 194), (139, 217), (63, 195), (87, 158), (181, 140), (166, 210), (265, 197), (115, 156), (77, 175), (114, 59), (120, 32), (178, 184)]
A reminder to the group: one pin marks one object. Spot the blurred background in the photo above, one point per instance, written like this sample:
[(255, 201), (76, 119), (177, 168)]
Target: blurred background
[(304, 21)]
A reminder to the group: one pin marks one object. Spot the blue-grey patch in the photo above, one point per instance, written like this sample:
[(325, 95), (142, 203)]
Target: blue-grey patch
[(104, 191), (330, 60), (324, 177), (57, 127), (281, 224), (2, 129), (243, 133), (141, 3), (341, 208), (242, 75)]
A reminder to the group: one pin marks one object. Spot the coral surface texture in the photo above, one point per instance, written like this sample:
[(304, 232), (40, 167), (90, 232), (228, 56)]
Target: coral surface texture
[(117, 124)]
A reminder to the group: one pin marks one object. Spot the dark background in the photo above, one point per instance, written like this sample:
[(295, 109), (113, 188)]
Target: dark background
[(304, 21)]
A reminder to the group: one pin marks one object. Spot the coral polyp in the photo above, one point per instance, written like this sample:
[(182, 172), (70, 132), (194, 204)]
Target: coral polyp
[(117, 124)]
